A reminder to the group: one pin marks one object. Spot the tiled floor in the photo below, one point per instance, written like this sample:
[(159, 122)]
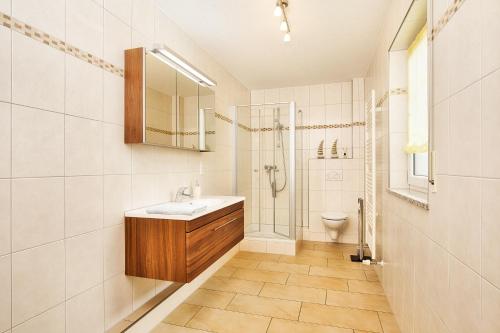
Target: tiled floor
[(319, 290)]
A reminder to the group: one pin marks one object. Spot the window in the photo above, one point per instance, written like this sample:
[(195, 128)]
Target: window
[(417, 145)]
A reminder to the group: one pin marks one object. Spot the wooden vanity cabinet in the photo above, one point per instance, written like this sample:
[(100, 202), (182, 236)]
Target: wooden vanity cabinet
[(175, 250)]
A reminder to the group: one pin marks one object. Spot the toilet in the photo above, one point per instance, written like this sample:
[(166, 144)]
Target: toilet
[(334, 222)]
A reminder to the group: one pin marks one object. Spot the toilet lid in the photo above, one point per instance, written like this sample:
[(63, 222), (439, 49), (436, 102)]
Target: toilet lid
[(334, 216)]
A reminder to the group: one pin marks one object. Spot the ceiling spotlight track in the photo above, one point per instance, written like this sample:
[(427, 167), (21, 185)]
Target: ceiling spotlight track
[(280, 11)]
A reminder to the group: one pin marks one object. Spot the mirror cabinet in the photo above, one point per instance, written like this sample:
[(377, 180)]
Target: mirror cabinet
[(165, 105)]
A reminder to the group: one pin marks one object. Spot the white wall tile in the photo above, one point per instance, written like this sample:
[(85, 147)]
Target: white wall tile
[(84, 262), (465, 45), (85, 312), (465, 220), (84, 25), (46, 263), (117, 38), (113, 99), (117, 154), (465, 132), (490, 27), (5, 217), (5, 6), (35, 13), (5, 291), (84, 204), (117, 198), (84, 88), (333, 93), (37, 73), (317, 95), (37, 143), (143, 290), (118, 299), (5, 64), (441, 124), (120, 8), (301, 95), (83, 146), (490, 122), (143, 17), (465, 299), (5, 140), (490, 254), (50, 321), (490, 303), (37, 211), (114, 250)]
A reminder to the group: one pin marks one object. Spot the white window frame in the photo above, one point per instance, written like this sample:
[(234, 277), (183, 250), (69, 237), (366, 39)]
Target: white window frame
[(418, 183)]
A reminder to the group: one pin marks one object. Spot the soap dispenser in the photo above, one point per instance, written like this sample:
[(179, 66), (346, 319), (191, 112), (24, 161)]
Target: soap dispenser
[(197, 190)]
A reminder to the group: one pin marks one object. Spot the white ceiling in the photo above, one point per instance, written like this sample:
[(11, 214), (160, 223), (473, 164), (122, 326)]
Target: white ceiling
[(332, 40)]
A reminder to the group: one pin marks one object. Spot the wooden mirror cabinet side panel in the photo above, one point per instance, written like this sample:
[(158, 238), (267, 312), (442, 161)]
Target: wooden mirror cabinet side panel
[(179, 251), (134, 95)]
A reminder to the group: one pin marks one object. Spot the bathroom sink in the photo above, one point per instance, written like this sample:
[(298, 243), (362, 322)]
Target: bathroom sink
[(191, 207)]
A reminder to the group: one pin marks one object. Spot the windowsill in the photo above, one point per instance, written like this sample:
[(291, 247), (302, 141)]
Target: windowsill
[(416, 198)]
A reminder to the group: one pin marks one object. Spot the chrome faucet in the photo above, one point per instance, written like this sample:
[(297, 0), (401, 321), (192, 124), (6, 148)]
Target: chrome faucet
[(183, 191)]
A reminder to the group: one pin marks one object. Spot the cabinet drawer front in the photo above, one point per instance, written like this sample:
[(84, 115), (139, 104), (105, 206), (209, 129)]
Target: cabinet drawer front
[(207, 244)]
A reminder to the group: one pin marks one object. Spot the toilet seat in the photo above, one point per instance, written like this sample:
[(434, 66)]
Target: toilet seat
[(334, 216)]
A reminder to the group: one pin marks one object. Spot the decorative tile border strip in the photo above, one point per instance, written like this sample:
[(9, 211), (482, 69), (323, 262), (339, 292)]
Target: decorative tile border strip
[(54, 42), (224, 118), (399, 91), (382, 100), (412, 201), (443, 21), (166, 132), (313, 127)]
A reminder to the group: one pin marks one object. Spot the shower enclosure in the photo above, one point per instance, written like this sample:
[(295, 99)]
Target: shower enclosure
[(274, 196)]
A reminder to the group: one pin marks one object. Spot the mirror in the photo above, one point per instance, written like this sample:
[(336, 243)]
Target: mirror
[(187, 115), (409, 81), (161, 103), (206, 119)]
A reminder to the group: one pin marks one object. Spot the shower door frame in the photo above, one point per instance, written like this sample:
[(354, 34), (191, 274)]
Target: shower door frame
[(291, 160)]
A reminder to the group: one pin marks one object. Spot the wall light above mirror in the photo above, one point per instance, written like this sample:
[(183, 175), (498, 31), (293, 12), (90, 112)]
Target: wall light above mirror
[(409, 105), (168, 102)]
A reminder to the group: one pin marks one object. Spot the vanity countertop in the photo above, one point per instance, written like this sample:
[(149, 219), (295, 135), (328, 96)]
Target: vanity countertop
[(226, 201)]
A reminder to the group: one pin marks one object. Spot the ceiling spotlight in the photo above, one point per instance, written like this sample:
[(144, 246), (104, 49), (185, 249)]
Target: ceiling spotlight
[(278, 10), (284, 26), (287, 38)]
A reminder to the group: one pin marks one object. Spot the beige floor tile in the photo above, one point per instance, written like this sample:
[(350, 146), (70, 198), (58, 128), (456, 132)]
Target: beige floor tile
[(271, 307), (303, 260), (371, 276), (341, 317), (342, 273), (260, 275), (257, 256), (242, 263), (359, 301), (225, 271), (294, 293), (366, 287), (233, 285), (320, 254), (306, 245), (334, 247), (283, 267), (389, 323), (281, 326), (317, 282), (182, 314), (210, 298), (341, 263), (222, 321), (167, 328)]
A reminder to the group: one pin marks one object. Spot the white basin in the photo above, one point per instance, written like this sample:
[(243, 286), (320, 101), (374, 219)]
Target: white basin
[(209, 202), (191, 207)]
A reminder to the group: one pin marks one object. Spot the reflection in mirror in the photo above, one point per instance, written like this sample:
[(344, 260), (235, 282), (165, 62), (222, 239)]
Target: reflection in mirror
[(206, 119), (409, 105), (160, 102), (187, 115)]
